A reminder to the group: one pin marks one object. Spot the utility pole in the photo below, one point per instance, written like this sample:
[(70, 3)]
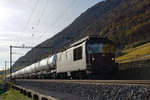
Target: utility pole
[(5, 69), (10, 63), (3, 73), (10, 70), (25, 47)]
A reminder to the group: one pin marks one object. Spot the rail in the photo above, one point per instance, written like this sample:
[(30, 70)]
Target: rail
[(117, 82)]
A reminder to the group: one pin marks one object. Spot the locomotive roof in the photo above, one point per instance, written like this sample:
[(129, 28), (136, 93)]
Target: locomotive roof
[(91, 37), (88, 38)]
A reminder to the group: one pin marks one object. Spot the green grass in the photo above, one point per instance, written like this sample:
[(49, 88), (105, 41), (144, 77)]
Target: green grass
[(138, 53), (13, 94), (2, 82)]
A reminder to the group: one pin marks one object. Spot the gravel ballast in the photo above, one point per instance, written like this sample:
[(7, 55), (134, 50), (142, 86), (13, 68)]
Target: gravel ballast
[(76, 91)]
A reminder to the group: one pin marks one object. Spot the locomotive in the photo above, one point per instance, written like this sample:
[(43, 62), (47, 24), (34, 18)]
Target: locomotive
[(89, 57)]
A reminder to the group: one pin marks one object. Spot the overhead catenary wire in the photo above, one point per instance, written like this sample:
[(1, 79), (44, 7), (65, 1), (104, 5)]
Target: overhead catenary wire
[(40, 6), (39, 19), (28, 21), (50, 13), (50, 26)]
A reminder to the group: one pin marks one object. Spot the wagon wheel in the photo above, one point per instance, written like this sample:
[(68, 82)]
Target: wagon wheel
[(82, 75), (53, 75)]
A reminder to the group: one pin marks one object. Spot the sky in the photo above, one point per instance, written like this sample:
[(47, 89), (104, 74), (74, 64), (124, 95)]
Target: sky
[(30, 22)]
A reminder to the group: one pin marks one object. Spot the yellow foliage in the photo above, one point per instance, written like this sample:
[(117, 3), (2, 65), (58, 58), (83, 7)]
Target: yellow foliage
[(13, 94), (140, 52)]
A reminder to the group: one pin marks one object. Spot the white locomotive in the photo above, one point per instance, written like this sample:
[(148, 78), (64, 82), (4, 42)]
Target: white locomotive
[(90, 57)]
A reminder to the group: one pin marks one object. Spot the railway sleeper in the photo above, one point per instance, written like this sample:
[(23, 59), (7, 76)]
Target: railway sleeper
[(32, 94)]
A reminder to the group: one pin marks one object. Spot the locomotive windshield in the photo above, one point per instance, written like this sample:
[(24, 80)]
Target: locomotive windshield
[(100, 48)]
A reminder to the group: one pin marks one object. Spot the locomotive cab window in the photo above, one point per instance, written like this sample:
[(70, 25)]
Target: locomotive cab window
[(106, 48), (100, 48), (77, 53)]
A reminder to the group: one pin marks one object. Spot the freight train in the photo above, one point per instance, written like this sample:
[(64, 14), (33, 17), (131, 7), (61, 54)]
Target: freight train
[(89, 57)]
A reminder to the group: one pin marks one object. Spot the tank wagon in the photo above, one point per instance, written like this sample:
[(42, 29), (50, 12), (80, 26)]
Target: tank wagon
[(89, 57)]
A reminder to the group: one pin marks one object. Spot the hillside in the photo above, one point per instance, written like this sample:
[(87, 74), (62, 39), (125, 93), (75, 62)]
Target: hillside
[(138, 53), (126, 22)]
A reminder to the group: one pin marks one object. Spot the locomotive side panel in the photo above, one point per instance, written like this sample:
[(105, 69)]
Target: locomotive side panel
[(73, 59)]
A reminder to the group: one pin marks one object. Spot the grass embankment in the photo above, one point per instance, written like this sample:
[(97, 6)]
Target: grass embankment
[(13, 94), (138, 53), (2, 82)]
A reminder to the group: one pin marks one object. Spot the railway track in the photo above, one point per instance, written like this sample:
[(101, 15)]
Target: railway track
[(112, 82), (87, 89)]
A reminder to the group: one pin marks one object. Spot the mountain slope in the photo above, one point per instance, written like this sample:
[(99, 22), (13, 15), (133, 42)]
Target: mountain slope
[(138, 53), (126, 22)]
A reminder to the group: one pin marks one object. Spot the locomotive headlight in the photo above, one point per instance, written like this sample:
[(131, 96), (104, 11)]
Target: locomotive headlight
[(93, 59), (112, 58)]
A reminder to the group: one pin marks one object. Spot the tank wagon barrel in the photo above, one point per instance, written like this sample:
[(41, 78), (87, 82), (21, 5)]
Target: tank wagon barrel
[(43, 65)]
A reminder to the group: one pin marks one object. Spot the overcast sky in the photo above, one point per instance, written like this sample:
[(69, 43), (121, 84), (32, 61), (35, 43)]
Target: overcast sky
[(30, 22)]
